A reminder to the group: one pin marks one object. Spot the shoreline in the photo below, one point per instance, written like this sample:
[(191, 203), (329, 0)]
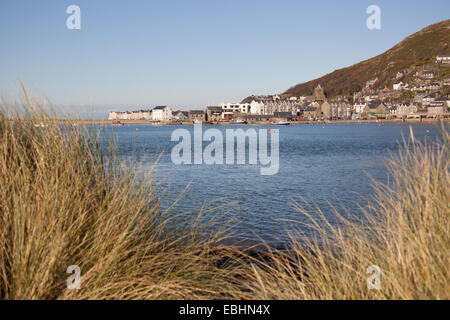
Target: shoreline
[(146, 122)]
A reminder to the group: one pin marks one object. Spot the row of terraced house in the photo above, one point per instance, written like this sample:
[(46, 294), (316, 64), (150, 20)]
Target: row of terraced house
[(290, 110)]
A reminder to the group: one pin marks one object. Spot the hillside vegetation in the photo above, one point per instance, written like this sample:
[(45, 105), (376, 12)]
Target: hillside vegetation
[(418, 49)]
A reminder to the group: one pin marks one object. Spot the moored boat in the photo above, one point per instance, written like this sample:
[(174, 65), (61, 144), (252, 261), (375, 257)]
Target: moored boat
[(238, 122), (281, 123), (117, 123)]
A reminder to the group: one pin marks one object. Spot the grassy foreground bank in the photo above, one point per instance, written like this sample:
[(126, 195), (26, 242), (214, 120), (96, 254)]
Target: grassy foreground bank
[(64, 201)]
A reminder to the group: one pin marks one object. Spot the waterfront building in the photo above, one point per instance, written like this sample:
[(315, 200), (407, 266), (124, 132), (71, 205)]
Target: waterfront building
[(437, 108), (180, 115), (119, 115), (406, 108), (227, 115), (162, 113), (325, 109), (213, 114), (312, 111), (197, 116), (257, 107), (359, 107), (255, 118), (377, 109), (113, 115), (236, 107), (141, 115), (339, 109), (283, 116)]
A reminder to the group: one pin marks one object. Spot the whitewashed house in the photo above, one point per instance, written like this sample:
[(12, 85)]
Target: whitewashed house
[(141, 115), (257, 107), (119, 115), (162, 113), (359, 107), (147, 114), (113, 115)]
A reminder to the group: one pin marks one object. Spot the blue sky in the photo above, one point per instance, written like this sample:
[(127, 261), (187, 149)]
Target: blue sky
[(190, 52)]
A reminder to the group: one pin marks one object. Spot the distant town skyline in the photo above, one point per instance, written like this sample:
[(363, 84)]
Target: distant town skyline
[(190, 53)]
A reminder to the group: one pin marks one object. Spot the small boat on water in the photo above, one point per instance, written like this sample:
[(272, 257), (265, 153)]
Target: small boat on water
[(238, 122), (281, 123), (117, 123)]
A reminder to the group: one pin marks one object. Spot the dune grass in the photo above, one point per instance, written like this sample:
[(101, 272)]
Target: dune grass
[(64, 201), (404, 232)]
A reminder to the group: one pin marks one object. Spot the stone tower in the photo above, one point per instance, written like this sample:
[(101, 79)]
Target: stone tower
[(319, 93)]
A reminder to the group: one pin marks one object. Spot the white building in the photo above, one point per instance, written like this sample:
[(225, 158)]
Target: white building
[(162, 113), (443, 59), (119, 115), (400, 86), (236, 107), (257, 107), (112, 115), (141, 115), (359, 107)]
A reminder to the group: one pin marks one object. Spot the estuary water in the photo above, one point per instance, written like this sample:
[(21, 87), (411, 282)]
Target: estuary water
[(323, 164)]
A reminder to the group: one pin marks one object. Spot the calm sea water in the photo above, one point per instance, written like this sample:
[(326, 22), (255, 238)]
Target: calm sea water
[(322, 163)]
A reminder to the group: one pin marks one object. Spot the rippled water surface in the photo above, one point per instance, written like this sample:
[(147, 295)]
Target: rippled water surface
[(323, 163)]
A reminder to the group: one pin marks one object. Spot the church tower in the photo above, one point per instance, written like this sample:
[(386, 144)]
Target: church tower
[(319, 93)]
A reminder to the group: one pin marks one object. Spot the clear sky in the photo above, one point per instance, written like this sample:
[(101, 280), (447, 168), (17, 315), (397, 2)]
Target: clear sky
[(191, 52)]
